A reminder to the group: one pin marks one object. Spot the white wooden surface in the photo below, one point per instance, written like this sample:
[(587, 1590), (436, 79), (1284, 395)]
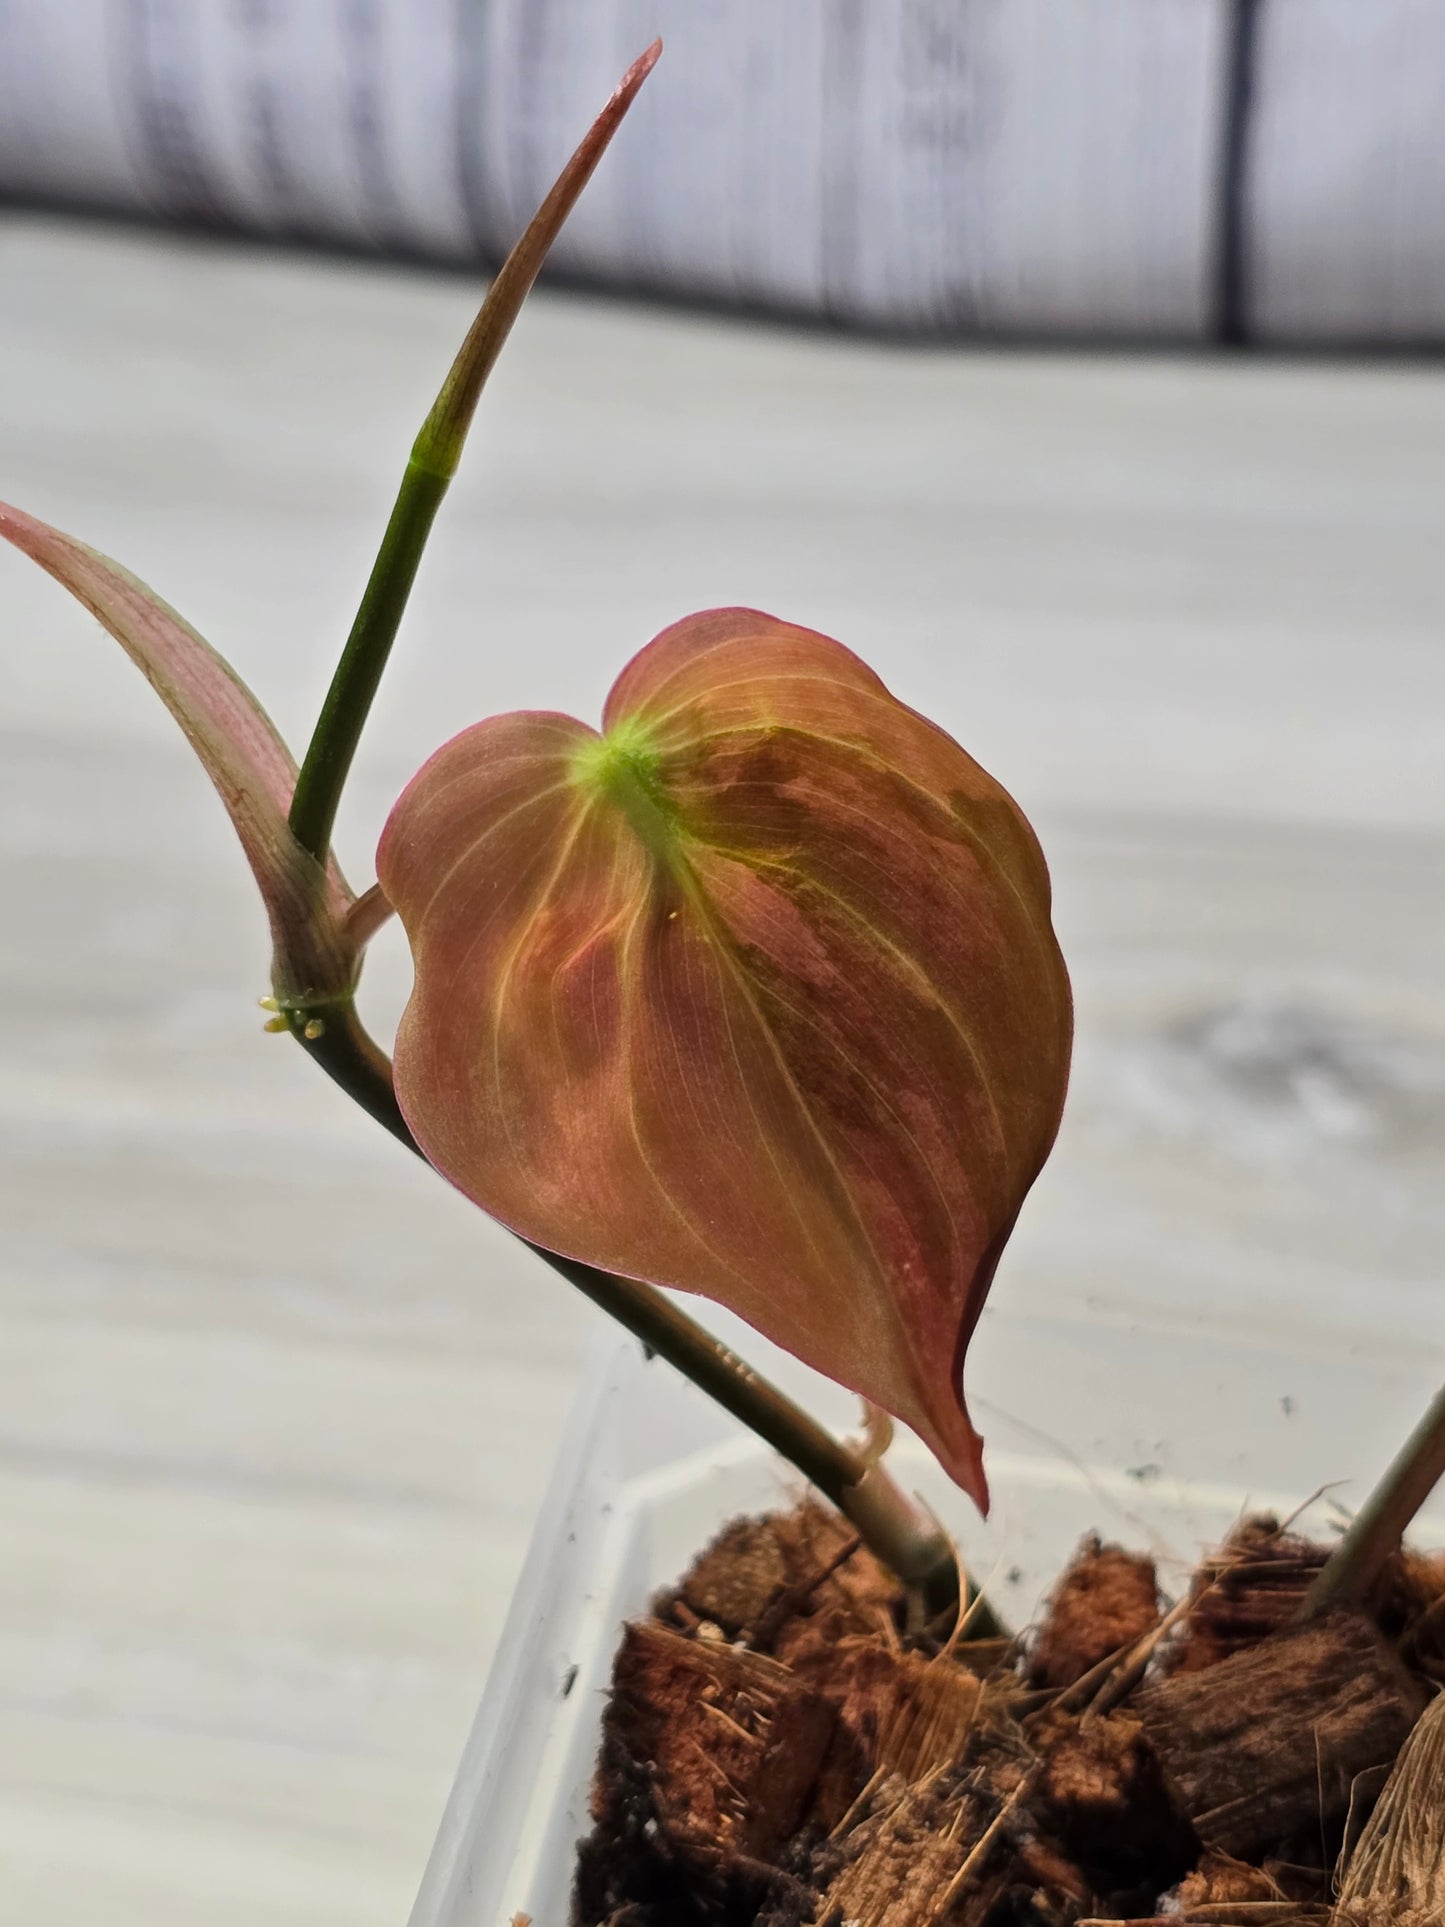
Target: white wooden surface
[(274, 1406)]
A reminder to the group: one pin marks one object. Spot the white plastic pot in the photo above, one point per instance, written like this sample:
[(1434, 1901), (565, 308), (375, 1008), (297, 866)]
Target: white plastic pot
[(650, 1469)]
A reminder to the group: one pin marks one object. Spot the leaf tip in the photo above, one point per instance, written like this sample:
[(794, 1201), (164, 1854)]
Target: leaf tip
[(960, 1452), (628, 87), (631, 81)]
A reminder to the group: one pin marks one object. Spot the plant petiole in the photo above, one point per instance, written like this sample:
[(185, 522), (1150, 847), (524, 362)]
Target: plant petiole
[(429, 471), (1380, 1524)]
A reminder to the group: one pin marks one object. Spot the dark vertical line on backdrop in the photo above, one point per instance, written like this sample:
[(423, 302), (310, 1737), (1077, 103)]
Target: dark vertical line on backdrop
[(381, 212), (1231, 291), (162, 128), (529, 95), (467, 27), (842, 84)]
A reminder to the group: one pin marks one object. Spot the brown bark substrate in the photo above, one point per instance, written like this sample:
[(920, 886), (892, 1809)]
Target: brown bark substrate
[(778, 1749)]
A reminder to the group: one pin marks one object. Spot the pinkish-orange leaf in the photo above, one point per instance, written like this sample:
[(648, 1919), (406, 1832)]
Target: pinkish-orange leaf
[(755, 994), (234, 738)]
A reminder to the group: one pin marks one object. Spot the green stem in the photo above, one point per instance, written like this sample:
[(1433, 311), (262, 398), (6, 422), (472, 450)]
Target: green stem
[(358, 674), (650, 1316), (434, 458), (1381, 1522), (354, 1061)]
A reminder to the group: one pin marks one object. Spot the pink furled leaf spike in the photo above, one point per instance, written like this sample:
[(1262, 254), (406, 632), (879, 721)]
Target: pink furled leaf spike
[(235, 740)]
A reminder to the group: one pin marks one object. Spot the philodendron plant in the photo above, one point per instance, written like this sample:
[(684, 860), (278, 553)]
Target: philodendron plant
[(752, 993)]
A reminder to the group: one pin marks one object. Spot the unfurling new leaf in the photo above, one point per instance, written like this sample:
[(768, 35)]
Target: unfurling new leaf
[(755, 994), (234, 739)]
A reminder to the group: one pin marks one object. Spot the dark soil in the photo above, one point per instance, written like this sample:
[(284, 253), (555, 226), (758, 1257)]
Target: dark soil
[(780, 1748)]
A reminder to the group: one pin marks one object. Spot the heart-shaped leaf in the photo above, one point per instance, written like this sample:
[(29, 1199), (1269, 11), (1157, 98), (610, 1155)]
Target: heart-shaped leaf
[(755, 994)]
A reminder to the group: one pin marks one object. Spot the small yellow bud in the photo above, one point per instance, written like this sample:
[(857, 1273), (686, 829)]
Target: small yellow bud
[(276, 1023), (314, 1029), (268, 1003)]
